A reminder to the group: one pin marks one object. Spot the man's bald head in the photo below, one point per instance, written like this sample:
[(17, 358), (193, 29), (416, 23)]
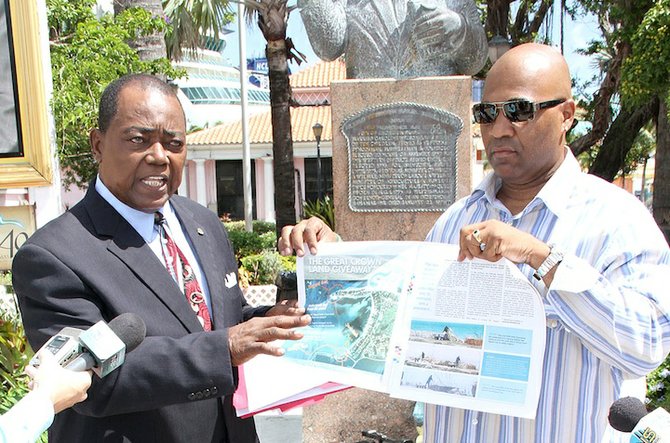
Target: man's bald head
[(538, 68), (525, 153)]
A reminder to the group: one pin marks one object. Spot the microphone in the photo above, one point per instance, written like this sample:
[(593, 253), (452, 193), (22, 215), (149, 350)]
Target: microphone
[(102, 347), (628, 414)]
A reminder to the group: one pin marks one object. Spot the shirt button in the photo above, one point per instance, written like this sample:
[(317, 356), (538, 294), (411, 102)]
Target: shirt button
[(475, 422), (552, 323)]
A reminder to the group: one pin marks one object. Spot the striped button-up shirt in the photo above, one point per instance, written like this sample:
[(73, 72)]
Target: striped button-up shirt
[(607, 308)]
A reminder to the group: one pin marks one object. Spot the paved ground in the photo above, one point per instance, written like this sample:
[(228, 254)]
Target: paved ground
[(273, 427), (340, 418)]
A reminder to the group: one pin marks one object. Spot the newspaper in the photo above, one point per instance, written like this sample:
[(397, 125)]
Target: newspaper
[(408, 319)]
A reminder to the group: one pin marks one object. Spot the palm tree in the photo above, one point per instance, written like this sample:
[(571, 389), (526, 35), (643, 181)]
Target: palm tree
[(272, 17), (148, 47), (190, 20)]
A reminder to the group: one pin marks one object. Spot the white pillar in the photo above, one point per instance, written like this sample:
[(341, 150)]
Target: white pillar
[(200, 182), (268, 190), (246, 150), (183, 186)]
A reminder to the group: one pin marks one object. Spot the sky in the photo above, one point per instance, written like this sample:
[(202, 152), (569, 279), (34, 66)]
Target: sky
[(256, 42), (577, 35)]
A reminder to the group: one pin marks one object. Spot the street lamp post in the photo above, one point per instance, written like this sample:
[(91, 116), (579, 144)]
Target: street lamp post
[(317, 128)]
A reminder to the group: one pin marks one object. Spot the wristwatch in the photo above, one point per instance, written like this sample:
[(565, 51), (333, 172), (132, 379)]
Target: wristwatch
[(554, 258)]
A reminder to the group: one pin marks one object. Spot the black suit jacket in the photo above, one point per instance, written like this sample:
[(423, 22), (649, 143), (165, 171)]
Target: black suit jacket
[(176, 386)]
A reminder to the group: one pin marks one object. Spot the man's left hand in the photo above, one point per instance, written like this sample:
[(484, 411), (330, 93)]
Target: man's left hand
[(492, 240)]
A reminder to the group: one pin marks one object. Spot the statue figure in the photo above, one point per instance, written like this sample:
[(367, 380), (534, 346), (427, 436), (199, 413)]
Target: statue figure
[(397, 38)]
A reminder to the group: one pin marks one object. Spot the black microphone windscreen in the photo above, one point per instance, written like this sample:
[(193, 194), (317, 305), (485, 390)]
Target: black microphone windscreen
[(130, 328), (625, 413)]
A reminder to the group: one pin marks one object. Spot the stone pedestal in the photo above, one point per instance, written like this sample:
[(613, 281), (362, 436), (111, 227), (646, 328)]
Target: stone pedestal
[(402, 154), (407, 155)]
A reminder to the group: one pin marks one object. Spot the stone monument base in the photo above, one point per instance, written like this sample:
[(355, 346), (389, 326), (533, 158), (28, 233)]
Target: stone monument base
[(402, 155)]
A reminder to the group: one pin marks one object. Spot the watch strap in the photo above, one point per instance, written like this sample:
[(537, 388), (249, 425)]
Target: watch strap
[(553, 259)]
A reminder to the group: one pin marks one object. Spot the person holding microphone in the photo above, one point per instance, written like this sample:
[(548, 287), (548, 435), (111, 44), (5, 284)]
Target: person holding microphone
[(53, 389)]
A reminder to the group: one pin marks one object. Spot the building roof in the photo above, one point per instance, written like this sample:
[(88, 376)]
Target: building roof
[(320, 75), (302, 118), (260, 128)]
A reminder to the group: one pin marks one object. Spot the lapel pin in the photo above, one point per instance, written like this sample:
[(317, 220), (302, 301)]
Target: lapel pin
[(200, 231)]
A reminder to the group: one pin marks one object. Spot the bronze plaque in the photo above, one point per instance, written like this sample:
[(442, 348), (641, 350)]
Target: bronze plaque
[(17, 223), (402, 158)]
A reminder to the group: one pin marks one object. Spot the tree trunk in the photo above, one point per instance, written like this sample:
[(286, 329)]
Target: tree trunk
[(661, 201), (611, 156), (602, 109), (282, 137), (148, 47), (497, 18), (272, 21)]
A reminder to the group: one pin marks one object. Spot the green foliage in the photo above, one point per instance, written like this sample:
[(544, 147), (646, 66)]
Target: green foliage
[(658, 382), (13, 359), (324, 209), (257, 226), (15, 353), (646, 72), (249, 243), (191, 19), (288, 263), (643, 146), (245, 243), (256, 252), (87, 54), (262, 269)]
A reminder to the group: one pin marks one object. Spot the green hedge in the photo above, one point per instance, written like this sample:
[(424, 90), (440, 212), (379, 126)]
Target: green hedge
[(256, 253)]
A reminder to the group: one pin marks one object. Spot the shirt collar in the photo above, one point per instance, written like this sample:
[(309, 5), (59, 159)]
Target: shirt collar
[(142, 222), (487, 188), (554, 194)]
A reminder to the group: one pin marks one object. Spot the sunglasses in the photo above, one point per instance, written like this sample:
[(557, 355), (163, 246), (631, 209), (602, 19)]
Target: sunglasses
[(519, 110)]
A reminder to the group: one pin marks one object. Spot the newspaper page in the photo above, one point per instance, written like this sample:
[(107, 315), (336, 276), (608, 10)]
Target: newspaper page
[(408, 319), (476, 337)]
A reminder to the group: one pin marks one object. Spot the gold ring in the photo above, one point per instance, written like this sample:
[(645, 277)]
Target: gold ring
[(476, 236)]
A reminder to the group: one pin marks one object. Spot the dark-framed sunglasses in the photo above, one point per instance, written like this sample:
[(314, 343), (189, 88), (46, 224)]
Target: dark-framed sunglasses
[(519, 110)]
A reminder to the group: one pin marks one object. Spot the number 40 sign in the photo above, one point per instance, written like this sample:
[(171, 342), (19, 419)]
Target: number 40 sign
[(17, 223)]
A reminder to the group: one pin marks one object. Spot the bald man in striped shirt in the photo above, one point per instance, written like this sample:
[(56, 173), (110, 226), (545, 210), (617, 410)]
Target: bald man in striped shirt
[(591, 249)]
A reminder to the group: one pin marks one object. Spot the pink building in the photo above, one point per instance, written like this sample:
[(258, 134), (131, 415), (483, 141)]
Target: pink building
[(213, 176)]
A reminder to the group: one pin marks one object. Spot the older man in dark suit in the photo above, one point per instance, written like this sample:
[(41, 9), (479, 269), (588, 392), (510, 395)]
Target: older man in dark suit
[(107, 256)]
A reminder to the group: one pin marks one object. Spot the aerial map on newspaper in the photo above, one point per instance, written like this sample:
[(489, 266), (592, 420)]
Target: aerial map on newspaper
[(353, 300)]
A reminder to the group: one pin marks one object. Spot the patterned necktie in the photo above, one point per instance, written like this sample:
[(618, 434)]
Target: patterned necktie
[(189, 284)]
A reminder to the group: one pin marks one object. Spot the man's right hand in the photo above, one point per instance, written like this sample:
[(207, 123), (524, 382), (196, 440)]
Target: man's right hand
[(253, 337), (310, 231)]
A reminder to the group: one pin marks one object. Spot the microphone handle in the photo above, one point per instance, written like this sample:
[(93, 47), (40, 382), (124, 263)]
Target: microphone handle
[(83, 362)]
